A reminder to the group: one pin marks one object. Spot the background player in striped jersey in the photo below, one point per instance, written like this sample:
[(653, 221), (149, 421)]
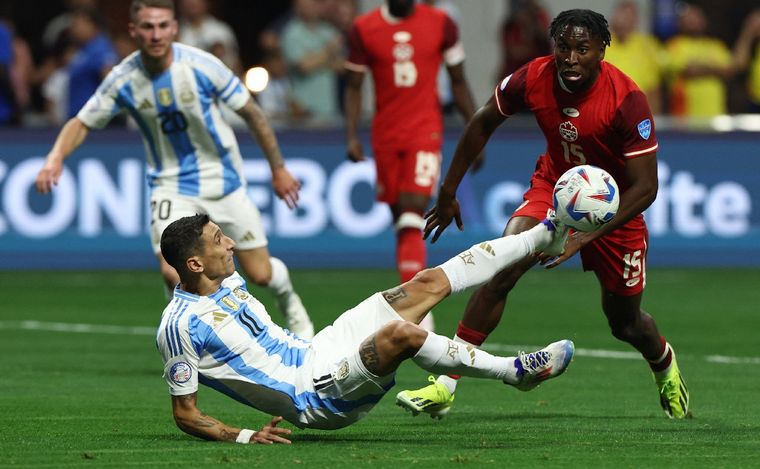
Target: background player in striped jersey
[(173, 93), (590, 113), (402, 45), (216, 333)]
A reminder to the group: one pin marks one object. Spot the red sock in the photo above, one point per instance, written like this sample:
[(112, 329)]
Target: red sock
[(471, 336), (411, 254), (662, 362)]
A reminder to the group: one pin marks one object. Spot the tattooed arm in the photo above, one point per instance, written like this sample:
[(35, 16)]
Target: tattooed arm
[(194, 422)]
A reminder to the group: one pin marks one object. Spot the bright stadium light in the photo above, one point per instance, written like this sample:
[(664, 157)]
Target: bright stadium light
[(256, 79)]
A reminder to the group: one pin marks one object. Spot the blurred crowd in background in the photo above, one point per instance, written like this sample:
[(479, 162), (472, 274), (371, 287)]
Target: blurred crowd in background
[(53, 54)]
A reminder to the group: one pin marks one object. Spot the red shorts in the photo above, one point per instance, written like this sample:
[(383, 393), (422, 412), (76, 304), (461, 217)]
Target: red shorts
[(407, 169), (618, 259)]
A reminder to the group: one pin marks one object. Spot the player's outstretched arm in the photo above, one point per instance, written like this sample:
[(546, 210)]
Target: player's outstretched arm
[(471, 143), (194, 422), (283, 183), (353, 101), (70, 137)]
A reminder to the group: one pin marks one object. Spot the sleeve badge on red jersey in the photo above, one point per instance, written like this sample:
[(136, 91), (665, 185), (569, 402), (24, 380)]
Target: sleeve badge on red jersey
[(645, 129)]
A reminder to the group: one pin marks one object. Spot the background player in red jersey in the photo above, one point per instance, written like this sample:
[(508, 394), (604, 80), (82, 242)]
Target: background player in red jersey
[(403, 45), (590, 113)]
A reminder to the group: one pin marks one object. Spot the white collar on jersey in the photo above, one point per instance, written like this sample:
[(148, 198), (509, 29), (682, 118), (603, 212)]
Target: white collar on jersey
[(386, 14)]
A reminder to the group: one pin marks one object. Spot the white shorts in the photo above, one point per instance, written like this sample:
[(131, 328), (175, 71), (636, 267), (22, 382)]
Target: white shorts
[(338, 372), (235, 214)]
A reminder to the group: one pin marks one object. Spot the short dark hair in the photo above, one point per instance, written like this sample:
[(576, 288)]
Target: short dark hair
[(137, 4), (594, 22), (182, 239)]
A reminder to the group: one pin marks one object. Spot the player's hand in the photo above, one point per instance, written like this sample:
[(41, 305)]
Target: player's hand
[(49, 175), (355, 151), (574, 244), (270, 433), (286, 186), (446, 208), (477, 163)]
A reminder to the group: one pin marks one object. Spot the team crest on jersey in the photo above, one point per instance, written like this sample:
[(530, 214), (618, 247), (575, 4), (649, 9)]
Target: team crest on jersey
[(230, 303), (165, 96), (342, 372), (645, 129), (240, 293), (180, 372), (568, 131), (570, 112), (186, 96), (403, 52)]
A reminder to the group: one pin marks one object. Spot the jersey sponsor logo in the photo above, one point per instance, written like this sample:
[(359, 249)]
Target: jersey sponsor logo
[(633, 282), (645, 129), (230, 303), (504, 83), (248, 236), (165, 96), (568, 131), (219, 316), (570, 112), (402, 36), (180, 372)]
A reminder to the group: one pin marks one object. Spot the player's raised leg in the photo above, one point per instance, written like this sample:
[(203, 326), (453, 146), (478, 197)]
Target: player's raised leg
[(397, 341), (486, 306)]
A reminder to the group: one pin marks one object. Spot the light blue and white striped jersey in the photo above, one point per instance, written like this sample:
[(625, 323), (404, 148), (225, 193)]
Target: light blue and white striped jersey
[(190, 148), (227, 341)]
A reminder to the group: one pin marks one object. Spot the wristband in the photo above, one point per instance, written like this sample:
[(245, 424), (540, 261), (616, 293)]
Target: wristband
[(244, 437)]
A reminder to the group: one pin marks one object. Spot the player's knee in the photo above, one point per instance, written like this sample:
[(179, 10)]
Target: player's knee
[(404, 335), (625, 331), (432, 281)]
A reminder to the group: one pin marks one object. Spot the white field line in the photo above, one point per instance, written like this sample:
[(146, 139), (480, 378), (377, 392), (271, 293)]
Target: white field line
[(492, 347)]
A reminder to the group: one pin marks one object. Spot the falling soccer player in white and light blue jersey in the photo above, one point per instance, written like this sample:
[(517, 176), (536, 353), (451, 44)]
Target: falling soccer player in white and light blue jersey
[(216, 333), (174, 92)]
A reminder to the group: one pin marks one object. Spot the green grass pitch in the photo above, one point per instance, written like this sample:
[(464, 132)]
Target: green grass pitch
[(97, 399)]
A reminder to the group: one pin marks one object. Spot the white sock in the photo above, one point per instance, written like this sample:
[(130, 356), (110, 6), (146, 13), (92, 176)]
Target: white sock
[(448, 381), (481, 262), (442, 355), (279, 284)]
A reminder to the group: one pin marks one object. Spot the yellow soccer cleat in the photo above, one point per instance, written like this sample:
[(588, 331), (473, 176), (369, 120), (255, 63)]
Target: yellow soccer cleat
[(674, 395), (434, 399)]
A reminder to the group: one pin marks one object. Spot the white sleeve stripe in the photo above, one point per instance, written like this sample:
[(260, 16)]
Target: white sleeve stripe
[(454, 55), (355, 67), (641, 152), (498, 104)]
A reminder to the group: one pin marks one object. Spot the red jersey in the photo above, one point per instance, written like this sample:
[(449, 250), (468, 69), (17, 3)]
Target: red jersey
[(602, 126), (404, 56)]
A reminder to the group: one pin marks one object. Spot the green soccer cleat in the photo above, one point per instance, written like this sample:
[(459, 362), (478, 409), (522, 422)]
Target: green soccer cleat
[(434, 399), (674, 395)]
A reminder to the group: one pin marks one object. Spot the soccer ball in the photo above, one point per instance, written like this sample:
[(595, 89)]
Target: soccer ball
[(585, 198)]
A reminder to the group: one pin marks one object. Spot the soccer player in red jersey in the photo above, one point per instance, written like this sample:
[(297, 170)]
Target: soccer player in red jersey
[(590, 113), (403, 44)]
